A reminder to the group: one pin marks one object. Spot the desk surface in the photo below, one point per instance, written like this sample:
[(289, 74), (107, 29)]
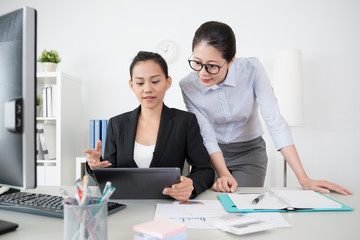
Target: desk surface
[(305, 225)]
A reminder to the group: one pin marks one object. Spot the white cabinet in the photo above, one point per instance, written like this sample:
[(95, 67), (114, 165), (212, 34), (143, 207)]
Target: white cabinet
[(65, 122)]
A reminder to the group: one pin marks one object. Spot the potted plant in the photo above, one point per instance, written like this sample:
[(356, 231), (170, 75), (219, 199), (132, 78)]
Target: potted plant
[(49, 60)]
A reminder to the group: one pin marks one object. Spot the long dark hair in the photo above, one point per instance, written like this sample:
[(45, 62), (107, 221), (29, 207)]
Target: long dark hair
[(143, 56), (219, 35)]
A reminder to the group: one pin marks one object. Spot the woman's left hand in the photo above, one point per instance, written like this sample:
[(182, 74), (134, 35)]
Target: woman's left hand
[(180, 191), (225, 184), (323, 186)]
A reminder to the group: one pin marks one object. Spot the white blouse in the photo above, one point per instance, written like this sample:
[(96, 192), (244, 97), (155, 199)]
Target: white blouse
[(143, 155), (228, 113)]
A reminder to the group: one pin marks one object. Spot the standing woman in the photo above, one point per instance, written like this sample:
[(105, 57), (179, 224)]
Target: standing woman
[(224, 93)]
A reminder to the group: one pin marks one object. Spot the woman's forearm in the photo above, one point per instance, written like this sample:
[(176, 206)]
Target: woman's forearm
[(218, 162), (291, 156)]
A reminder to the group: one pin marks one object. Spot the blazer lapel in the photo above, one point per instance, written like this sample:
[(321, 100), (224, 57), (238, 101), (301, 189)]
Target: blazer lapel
[(165, 127), (129, 137)]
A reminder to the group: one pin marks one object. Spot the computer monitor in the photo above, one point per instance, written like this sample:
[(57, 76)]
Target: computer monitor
[(18, 99)]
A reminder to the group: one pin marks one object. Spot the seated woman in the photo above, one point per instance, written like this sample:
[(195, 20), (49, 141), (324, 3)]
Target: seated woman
[(154, 135)]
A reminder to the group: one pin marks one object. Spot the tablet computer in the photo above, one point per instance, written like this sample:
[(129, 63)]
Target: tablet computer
[(137, 183)]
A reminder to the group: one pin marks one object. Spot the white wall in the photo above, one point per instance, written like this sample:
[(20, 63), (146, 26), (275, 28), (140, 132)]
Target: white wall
[(98, 39)]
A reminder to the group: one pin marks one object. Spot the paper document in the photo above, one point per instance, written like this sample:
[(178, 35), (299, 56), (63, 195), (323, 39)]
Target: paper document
[(283, 199), (195, 213)]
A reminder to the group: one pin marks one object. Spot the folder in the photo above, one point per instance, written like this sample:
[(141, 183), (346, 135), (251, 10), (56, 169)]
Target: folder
[(54, 100), (91, 134), (97, 130), (104, 124), (308, 201), (49, 103), (44, 149), (44, 102), (39, 150)]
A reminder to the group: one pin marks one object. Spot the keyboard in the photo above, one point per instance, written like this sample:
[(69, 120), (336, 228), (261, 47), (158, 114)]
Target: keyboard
[(42, 204)]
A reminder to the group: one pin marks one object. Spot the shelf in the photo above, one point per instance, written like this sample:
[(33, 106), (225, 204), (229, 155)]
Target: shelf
[(46, 161), (40, 75), (67, 145), (47, 77), (46, 119)]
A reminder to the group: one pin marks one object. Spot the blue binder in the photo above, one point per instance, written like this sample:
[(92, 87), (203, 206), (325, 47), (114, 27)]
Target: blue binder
[(97, 130), (104, 124), (92, 134), (231, 207)]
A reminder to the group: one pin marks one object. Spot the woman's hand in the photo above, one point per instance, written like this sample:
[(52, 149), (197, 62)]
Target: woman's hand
[(323, 186), (180, 191), (225, 184), (93, 157)]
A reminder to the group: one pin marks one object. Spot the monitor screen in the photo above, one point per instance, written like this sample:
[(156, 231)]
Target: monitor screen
[(17, 99)]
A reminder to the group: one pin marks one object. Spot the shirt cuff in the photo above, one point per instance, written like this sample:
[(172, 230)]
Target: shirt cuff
[(212, 147), (282, 140)]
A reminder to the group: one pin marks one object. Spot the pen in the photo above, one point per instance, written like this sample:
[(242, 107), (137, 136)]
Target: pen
[(84, 189), (78, 184), (108, 184), (78, 195), (106, 195), (258, 198), (85, 182)]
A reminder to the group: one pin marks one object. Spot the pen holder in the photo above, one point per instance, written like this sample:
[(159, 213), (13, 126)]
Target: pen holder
[(83, 222)]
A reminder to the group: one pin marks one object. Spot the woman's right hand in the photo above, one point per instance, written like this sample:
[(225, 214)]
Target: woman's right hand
[(225, 184), (93, 157)]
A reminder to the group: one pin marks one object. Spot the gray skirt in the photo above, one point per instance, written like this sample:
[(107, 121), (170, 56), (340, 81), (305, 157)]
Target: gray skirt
[(246, 161)]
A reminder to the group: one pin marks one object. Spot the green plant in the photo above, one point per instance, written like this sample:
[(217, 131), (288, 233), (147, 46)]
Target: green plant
[(38, 100), (49, 56)]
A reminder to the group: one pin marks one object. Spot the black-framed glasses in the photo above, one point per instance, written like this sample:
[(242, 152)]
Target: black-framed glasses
[(210, 68)]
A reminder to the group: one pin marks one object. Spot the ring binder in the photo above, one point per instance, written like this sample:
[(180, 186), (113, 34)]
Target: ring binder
[(282, 201)]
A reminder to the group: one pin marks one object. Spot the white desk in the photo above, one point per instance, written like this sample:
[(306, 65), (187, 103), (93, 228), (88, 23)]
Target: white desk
[(305, 225)]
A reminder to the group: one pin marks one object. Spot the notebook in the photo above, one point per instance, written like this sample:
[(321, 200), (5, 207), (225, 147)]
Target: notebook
[(137, 183), (281, 200)]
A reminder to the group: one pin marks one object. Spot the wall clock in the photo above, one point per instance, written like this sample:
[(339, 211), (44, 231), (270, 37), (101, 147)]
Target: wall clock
[(168, 50)]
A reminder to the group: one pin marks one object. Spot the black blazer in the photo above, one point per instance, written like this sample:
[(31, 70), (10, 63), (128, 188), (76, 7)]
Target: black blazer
[(178, 139)]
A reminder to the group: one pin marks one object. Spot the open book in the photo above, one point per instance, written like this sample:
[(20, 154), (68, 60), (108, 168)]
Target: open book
[(281, 200)]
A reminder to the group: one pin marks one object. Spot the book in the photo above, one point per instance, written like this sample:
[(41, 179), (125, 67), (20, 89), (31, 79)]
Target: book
[(91, 134), (104, 124), (281, 200), (54, 100), (44, 105), (40, 130), (39, 151), (49, 102), (160, 228), (47, 137), (97, 130)]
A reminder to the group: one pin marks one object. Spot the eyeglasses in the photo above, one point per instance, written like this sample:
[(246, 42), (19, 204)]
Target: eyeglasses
[(210, 68)]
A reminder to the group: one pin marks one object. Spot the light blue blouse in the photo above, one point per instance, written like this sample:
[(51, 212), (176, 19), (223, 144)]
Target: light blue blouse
[(228, 113)]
